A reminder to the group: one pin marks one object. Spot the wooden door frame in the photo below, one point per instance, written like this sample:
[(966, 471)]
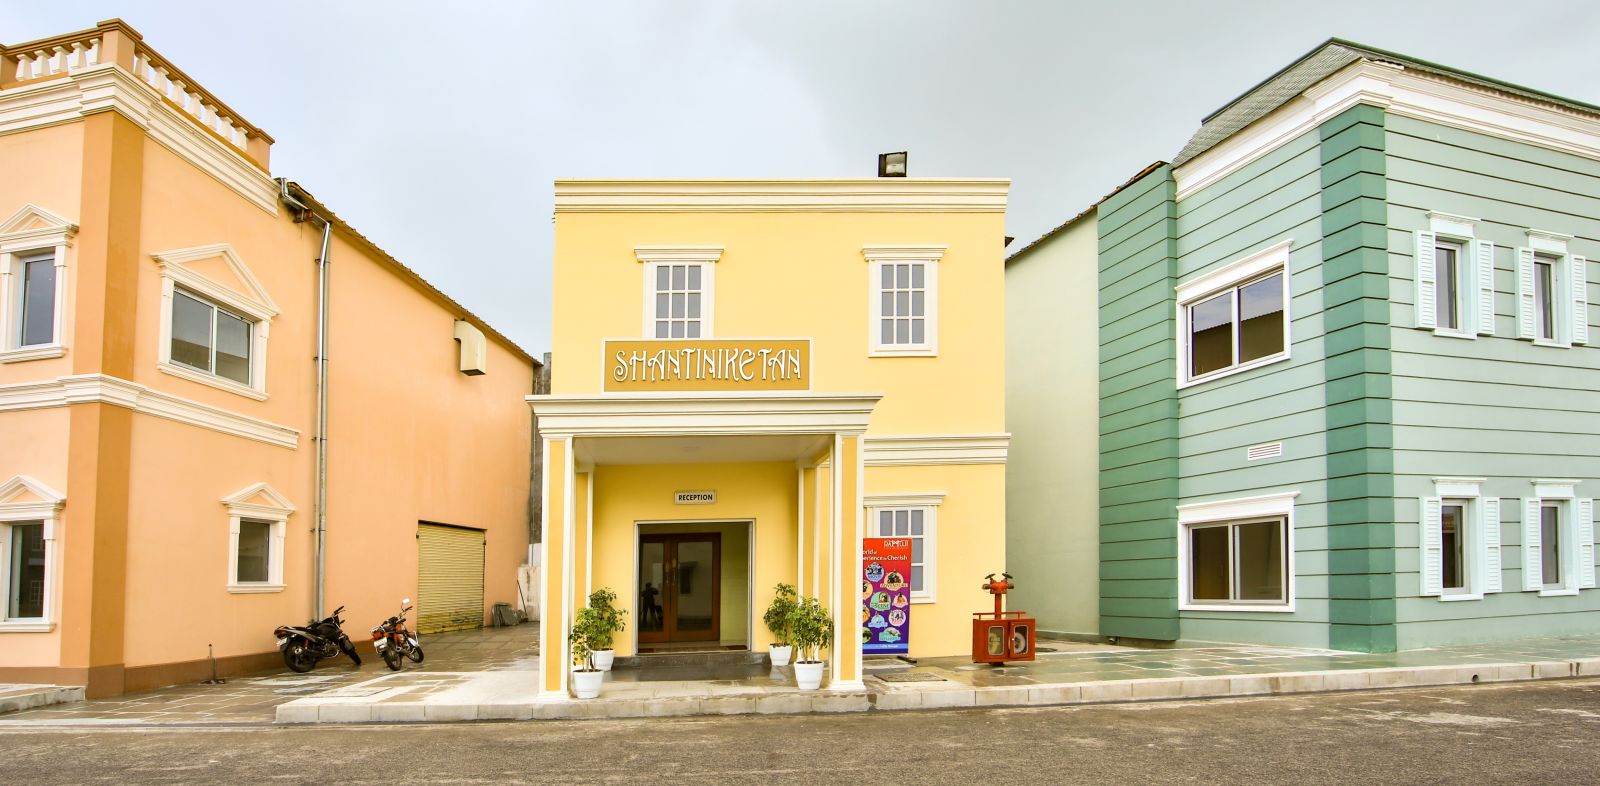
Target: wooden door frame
[(641, 530), (669, 587)]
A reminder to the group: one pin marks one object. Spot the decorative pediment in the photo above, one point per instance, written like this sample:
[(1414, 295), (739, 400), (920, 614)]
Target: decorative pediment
[(34, 226), (217, 272), (259, 500), (30, 497)]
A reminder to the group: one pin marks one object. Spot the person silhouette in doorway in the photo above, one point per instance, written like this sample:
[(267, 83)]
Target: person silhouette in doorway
[(652, 609)]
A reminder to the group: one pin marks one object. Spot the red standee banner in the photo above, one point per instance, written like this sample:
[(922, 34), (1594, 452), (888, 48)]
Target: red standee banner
[(885, 596)]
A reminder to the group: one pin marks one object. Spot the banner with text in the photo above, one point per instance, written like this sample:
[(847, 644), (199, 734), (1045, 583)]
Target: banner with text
[(885, 596), (636, 366)]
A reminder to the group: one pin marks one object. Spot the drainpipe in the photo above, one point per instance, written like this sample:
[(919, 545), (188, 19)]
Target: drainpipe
[(305, 213)]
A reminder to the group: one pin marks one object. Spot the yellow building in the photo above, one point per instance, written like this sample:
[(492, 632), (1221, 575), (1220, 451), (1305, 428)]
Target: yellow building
[(163, 307), (749, 377)]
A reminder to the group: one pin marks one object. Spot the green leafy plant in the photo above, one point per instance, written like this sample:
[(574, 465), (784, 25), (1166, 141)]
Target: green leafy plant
[(779, 614), (586, 630), (810, 629), (608, 618)]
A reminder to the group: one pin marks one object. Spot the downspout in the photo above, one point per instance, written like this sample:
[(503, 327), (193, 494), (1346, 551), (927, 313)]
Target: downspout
[(304, 213)]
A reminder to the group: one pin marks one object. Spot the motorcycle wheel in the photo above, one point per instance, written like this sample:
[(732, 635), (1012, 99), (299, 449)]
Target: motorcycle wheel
[(350, 649), (298, 659), (416, 654), (391, 658)]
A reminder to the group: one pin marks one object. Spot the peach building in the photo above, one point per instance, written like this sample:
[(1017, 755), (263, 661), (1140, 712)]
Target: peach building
[(190, 345)]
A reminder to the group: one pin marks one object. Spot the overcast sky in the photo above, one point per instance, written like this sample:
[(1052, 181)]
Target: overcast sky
[(436, 128)]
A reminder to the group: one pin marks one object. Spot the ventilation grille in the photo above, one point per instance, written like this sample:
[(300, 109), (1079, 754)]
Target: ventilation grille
[(1263, 451)]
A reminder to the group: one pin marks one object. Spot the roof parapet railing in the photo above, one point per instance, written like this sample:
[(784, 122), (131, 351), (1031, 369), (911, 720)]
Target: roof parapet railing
[(113, 41)]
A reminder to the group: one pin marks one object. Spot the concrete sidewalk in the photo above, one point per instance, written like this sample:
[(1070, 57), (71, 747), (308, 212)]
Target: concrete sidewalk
[(15, 698), (1084, 675)]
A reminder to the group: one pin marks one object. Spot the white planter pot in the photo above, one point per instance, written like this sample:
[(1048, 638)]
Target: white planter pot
[(586, 684), (603, 659), (808, 675), (780, 654)]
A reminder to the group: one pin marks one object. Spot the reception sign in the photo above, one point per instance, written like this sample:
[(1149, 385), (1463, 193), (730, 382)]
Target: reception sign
[(665, 365), (885, 596)]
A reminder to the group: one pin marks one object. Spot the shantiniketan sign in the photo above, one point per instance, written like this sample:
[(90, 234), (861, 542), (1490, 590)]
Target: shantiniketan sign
[(745, 364)]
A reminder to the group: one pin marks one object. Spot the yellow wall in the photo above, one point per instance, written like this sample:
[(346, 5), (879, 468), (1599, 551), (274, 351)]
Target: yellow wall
[(764, 493)]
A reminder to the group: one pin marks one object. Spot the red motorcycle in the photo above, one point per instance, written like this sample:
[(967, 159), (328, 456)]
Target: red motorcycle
[(394, 641)]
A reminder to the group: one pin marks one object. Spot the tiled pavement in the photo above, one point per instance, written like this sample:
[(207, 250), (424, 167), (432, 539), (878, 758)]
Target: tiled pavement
[(255, 698)]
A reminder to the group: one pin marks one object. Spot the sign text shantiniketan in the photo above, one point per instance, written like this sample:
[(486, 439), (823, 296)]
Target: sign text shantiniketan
[(707, 364)]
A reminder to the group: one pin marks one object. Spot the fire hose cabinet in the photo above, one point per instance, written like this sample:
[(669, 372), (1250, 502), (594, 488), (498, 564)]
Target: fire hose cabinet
[(999, 636)]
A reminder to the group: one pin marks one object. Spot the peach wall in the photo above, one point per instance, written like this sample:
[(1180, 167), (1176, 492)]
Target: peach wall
[(36, 446), (42, 168)]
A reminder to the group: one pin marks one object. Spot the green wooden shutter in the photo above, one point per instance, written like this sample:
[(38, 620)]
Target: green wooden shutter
[(1483, 252), (1427, 279), (1527, 322), (1580, 300), (1583, 533), (1490, 507), (1532, 562), (1432, 542)]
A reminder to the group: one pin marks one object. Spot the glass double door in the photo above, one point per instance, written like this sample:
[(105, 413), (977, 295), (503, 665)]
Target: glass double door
[(680, 587)]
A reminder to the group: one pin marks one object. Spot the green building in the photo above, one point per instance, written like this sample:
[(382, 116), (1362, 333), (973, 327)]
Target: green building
[(1347, 395)]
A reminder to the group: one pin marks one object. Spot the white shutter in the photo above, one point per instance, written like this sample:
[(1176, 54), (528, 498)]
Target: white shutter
[(1526, 321), (1484, 251), (1580, 300), (1532, 565), (1432, 542), (1491, 544), (1427, 313), (1583, 531)]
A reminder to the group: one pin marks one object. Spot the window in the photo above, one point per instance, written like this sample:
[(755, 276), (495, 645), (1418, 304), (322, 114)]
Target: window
[(1234, 318), (28, 520), (1459, 541), (1454, 278), (1237, 562), (258, 520), (1557, 539), (210, 339), (912, 516), (1237, 554), (678, 290), (904, 300), (33, 264), (679, 300), (1552, 292)]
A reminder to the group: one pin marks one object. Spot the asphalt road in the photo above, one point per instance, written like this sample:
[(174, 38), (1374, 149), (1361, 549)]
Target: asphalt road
[(1546, 732)]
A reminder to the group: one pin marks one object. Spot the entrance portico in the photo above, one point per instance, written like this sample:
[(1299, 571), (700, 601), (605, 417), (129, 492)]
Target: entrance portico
[(789, 465)]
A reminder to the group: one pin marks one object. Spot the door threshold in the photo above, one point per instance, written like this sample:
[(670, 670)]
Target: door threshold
[(689, 648)]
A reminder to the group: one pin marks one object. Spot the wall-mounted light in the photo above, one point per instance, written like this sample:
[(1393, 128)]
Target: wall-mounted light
[(892, 164)]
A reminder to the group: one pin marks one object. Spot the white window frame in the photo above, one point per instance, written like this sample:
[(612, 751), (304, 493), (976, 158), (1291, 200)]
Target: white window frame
[(1474, 276), (275, 511), (653, 257), (1570, 276), (1481, 531), (929, 504), (254, 306), (1238, 511), (1577, 538), (43, 504), (929, 257), (1245, 270), (30, 233)]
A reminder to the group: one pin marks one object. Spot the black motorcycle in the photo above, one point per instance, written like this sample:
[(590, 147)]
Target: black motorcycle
[(303, 647)]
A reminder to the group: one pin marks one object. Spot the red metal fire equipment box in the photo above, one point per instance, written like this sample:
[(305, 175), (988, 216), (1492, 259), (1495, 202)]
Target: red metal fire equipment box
[(997, 638)]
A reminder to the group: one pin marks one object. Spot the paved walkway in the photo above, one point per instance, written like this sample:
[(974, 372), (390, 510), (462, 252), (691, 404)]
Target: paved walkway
[(255, 699)]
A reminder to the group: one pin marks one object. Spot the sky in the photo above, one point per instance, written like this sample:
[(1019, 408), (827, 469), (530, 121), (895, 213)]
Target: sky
[(436, 129)]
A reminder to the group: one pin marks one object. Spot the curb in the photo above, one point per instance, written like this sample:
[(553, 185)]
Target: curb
[(42, 696), (896, 698)]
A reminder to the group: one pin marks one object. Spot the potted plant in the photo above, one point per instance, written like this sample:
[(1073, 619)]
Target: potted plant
[(608, 623), (586, 676), (778, 620), (810, 631)]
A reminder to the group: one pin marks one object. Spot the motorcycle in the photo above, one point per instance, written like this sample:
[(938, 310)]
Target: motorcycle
[(394, 641), (303, 647)]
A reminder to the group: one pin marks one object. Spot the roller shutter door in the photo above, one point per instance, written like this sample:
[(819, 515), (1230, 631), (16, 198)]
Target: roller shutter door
[(449, 578)]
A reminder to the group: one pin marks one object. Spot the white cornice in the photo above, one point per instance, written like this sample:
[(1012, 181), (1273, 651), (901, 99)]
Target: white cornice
[(1401, 92), (100, 388), (931, 449), (277, 506), (677, 253), (928, 253), (931, 499), (893, 195), (108, 87), (16, 235), (254, 301), (670, 415)]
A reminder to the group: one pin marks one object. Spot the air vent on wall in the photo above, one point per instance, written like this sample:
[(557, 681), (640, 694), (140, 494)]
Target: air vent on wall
[(1263, 451)]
